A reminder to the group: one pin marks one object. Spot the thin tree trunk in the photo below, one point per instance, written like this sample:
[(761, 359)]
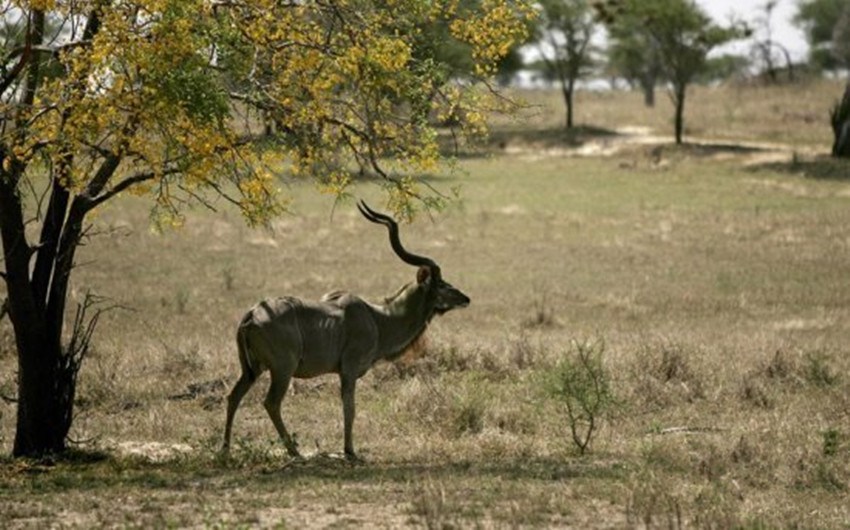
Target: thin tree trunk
[(648, 80), (647, 85), (649, 96), (679, 102)]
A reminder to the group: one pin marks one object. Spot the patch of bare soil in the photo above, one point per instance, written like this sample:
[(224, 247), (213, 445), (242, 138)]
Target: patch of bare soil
[(153, 452), (591, 144)]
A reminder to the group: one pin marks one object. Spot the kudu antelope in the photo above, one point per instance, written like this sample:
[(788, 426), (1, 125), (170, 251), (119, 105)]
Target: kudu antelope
[(341, 334)]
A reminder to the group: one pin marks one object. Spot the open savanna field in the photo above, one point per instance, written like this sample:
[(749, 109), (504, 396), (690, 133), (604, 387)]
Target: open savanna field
[(712, 278)]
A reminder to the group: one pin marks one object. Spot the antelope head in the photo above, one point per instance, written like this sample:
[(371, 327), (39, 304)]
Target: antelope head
[(442, 296)]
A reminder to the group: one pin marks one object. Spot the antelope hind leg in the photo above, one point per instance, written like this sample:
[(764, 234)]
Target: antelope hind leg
[(347, 386), (274, 398), (246, 380)]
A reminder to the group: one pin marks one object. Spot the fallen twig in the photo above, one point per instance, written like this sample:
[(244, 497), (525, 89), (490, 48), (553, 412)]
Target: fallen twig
[(689, 430)]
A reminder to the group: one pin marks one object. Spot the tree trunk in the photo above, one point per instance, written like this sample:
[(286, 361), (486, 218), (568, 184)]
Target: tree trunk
[(36, 296), (649, 96), (647, 85), (840, 118), (648, 79), (46, 374), (679, 102), (45, 397), (569, 90)]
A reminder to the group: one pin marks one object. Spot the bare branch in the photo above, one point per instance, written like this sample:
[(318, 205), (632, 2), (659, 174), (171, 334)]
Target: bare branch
[(202, 200), (123, 185), (222, 193), (12, 75)]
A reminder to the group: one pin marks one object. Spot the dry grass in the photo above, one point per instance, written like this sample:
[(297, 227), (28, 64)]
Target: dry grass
[(796, 115), (719, 287)]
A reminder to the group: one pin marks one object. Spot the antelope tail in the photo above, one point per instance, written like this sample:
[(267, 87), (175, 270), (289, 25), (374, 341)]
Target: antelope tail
[(244, 355)]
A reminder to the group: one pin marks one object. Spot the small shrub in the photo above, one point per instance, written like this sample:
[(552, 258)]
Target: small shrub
[(780, 367), (673, 365), (753, 391), (753, 460), (542, 311), (183, 358), (664, 375), (762, 386), (468, 414), (652, 504), (826, 469), (716, 506), (818, 370), (181, 300), (100, 385), (448, 357), (827, 476), (432, 506), (227, 276), (832, 439), (582, 385), (522, 354), (822, 473)]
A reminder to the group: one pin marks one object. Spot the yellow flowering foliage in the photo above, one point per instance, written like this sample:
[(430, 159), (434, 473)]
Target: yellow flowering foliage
[(169, 98)]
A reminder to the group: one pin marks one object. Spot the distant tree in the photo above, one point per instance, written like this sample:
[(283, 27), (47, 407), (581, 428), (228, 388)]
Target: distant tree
[(632, 53), (681, 34), (827, 27), (564, 32), (435, 42), (509, 65), (841, 38), (768, 51), (723, 67), (149, 97)]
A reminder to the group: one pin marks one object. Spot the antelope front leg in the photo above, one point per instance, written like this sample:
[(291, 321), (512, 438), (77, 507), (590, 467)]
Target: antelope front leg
[(347, 384)]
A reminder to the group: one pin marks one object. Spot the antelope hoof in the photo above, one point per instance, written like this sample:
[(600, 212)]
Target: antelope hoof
[(292, 450)]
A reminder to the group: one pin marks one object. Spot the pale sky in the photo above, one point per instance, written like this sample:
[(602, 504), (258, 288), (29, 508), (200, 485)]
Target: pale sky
[(784, 31)]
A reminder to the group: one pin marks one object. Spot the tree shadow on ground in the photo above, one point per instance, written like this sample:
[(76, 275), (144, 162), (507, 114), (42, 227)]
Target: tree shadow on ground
[(99, 470), (819, 168), (711, 149), (323, 467), (501, 139)]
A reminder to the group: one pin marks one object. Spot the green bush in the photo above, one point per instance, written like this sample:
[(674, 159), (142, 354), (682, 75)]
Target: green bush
[(580, 382)]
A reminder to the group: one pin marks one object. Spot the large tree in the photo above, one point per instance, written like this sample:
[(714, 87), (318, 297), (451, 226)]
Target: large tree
[(681, 35), (766, 49), (827, 27), (564, 32), (161, 97)]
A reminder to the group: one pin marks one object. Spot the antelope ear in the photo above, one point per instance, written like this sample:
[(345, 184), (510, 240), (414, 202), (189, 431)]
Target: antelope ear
[(423, 274)]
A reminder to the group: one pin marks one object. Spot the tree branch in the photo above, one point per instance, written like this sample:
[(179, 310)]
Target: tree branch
[(51, 229), (12, 75), (128, 182)]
